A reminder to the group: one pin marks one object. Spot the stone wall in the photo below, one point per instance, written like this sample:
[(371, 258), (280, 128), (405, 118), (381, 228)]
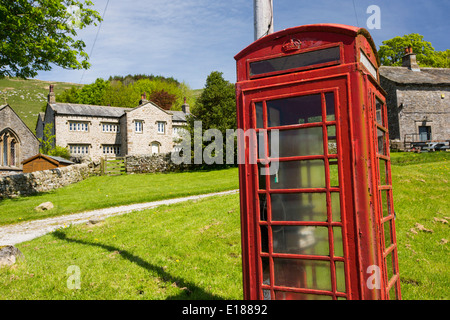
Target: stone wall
[(153, 163), (47, 180)]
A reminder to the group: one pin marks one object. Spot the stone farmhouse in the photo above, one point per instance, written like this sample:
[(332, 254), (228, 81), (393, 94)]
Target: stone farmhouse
[(17, 142), (418, 102), (103, 131)]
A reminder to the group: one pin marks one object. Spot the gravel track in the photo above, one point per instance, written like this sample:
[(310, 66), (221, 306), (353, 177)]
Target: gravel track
[(21, 232)]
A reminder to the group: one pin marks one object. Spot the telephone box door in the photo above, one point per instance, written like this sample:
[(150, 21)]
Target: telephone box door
[(300, 248)]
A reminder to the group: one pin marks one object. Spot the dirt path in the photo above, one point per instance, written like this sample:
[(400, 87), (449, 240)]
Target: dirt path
[(21, 232)]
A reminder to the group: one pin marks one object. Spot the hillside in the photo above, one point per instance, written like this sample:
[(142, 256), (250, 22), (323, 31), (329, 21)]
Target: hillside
[(28, 97)]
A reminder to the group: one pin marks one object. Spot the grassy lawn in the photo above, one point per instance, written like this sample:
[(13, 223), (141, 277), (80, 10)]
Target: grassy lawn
[(421, 196), (108, 191), (192, 250), (183, 251)]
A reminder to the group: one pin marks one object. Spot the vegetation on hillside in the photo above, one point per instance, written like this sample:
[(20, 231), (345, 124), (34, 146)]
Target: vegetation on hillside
[(166, 93)]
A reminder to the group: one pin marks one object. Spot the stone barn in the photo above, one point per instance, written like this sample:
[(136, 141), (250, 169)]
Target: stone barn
[(418, 102)]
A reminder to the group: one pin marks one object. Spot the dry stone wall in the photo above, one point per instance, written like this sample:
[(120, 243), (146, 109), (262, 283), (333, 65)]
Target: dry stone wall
[(43, 181)]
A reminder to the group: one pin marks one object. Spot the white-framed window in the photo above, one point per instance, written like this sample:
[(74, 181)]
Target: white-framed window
[(138, 126), (111, 150), (79, 149), (178, 130), (161, 127), (111, 127), (78, 126)]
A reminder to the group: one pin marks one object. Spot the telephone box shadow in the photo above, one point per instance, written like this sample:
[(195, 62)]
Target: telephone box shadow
[(190, 291)]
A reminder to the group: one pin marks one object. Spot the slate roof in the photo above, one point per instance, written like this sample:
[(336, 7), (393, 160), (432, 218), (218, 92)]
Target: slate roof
[(178, 116), (403, 75), (88, 110), (104, 111)]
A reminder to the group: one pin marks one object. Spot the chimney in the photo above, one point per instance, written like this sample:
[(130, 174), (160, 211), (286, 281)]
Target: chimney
[(185, 107), (143, 99), (409, 60), (51, 95)]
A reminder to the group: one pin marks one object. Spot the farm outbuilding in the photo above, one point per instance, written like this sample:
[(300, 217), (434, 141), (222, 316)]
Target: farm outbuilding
[(42, 162)]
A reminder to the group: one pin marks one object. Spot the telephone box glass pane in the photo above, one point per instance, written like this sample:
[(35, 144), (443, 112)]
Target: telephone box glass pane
[(298, 174), (383, 172), (262, 207), (381, 142), (300, 240), (379, 113), (295, 61), (299, 206), (332, 141), (264, 239), (261, 177), (385, 202), (295, 110), (334, 173), (329, 100), (284, 295), (340, 276), (259, 115), (307, 274), (387, 234), (299, 142), (336, 206), (337, 241)]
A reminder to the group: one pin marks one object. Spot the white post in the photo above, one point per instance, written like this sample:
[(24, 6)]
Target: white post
[(263, 15)]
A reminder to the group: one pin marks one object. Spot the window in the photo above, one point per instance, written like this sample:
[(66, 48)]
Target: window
[(161, 127), (138, 125), (81, 149), (296, 61), (78, 126), (111, 127), (111, 150), (9, 149)]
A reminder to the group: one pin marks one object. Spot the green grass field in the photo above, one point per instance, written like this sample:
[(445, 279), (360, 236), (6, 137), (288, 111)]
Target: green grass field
[(110, 191), (192, 250)]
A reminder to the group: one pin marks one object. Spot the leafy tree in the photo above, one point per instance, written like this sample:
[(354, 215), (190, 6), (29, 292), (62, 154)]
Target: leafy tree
[(163, 99), (48, 140), (48, 146), (216, 106), (215, 109), (34, 34), (93, 93), (392, 51)]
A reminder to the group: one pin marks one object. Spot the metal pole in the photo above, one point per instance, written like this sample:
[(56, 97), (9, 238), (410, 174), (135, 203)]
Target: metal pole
[(263, 15)]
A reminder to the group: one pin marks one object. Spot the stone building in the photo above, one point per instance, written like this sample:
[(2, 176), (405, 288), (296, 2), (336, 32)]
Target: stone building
[(99, 131), (418, 101), (17, 142)]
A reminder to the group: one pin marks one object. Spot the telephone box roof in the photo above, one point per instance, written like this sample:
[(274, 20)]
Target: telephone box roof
[(324, 27)]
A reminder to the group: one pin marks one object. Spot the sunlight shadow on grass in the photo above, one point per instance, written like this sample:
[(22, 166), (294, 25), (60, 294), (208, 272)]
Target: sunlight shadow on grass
[(193, 293)]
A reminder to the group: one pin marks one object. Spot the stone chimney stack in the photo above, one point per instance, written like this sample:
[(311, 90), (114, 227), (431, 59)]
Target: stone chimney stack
[(409, 60), (51, 95), (143, 99), (185, 107)]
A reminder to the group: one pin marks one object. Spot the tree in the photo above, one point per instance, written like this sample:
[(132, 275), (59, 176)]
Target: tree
[(392, 51), (214, 109), (48, 146), (163, 99), (34, 34)]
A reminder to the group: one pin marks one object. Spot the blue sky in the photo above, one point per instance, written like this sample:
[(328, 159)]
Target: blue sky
[(188, 39)]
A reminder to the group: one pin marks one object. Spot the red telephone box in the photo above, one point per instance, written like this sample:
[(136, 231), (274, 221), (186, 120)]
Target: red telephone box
[(317, 214)]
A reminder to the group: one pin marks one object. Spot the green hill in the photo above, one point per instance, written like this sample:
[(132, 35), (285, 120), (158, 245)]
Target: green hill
[(29, 96)]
